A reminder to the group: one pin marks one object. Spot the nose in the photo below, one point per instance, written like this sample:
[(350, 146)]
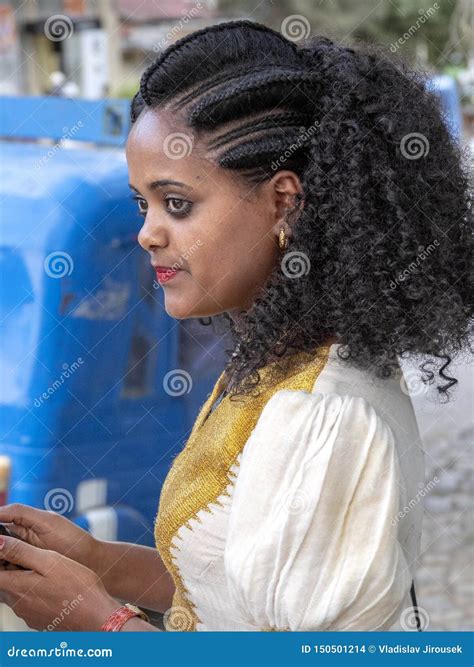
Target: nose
[(151, 235)]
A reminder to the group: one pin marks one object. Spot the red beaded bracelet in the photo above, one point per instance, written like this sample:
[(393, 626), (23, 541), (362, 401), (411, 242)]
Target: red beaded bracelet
[(121, 615)]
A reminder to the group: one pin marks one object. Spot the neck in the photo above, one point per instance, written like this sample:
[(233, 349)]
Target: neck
[(331, 340)]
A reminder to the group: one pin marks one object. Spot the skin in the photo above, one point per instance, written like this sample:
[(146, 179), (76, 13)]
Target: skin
[(38, 592), (102, 572), (232, 227)]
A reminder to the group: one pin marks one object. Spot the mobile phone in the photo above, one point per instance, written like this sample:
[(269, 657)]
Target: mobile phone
[(5, 531)]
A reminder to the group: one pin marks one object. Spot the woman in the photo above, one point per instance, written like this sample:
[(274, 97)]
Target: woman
[(311, 196)]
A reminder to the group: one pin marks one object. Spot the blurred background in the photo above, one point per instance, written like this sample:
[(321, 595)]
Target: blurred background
[(100, 386), (103, 46)]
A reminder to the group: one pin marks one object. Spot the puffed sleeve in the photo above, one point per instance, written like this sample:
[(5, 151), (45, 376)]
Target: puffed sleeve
[(312, 542)]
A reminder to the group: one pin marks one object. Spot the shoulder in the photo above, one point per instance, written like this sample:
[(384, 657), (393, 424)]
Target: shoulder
[(295, 404), (310, 419), (330, 438)]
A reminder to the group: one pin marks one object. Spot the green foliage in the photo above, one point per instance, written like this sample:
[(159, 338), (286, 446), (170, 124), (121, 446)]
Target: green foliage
[(127, 91), (436, 32)]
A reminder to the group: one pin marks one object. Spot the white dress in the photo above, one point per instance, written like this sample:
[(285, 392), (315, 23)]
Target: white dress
[(316, 533)]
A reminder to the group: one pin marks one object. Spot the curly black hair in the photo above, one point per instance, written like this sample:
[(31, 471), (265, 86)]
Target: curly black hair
[(381, 237)]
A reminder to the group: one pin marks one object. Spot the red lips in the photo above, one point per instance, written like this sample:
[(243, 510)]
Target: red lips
[(165, 273)]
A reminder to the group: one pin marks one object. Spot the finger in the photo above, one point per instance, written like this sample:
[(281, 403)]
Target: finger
[(22, 515), (5, 565), (24, 554), (16, 582), (17, 531)]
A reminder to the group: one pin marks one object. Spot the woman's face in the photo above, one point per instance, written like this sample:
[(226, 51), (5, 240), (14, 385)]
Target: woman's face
[(220, 233)]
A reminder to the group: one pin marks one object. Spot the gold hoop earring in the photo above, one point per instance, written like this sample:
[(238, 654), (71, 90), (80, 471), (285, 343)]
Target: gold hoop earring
[(282, 240)]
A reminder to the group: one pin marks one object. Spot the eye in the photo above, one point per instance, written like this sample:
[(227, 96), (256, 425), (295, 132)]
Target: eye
[(142, 205), (180, 207)]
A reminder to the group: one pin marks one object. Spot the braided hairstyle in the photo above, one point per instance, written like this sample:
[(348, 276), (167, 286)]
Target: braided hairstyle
[(383, 240)]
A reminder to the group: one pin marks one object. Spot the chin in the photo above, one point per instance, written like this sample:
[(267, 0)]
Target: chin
[(178, 313), (182, 310)]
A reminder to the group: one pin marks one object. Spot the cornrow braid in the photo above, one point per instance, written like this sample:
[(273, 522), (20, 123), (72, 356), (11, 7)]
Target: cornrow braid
[(212, 109), (137, 106), (283, 119), (226, 76), (253, 154), (177, 47)]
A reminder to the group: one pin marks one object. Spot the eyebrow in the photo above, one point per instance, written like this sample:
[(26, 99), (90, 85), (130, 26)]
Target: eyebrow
[(162, 182)]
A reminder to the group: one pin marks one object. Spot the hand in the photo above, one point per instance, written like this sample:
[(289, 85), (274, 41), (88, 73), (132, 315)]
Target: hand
[(48, 530), (53, 592)]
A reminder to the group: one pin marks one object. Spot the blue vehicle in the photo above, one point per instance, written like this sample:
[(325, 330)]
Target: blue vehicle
[(100, 387)]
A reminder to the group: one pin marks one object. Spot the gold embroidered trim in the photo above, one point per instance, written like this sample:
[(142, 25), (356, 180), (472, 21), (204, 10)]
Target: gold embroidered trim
[(200, 473)]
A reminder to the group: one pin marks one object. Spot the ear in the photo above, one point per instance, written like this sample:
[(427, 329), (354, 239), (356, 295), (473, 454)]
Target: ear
[(285, 185)]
